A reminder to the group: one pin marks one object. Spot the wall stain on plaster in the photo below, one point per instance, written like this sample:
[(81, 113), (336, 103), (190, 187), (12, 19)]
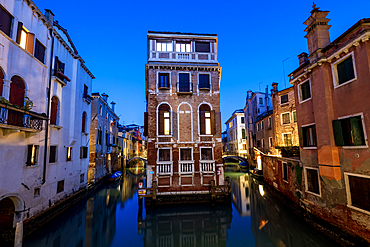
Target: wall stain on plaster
[(9, 156)]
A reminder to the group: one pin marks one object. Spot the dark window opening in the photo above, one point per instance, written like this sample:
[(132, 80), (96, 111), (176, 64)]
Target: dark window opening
[(185, 154), (360, 192), (53, 154), (285, 171), (83, 152), (206, 154), (313, 181), (184, 83), (60, 186), (345, 70), (349, 132), (202, 46), (5, 21), (204, 81), (164, 155), (305, 90), (284, 99), (163, 80), (54, 110), (40, 51), (309, 136)]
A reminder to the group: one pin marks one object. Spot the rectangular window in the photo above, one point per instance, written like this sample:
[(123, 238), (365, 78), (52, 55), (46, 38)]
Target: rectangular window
[(83, 152), (359, 188), (287, 139), (69, 153), (294, 116), (60, 186), (24, 38), (183, 47), (204, 81), (185, 154), (36, 192), (284, 99), (270, 142), (243, 133), (86, 90), (258, 126), (164, 154), (166, 123), (349, 132), (59, 70), (230, 124), (258, 143), (208, 122), (202, 46), (285, 117), (82, 178), (261, 101), (304, 91), (309, 136), (163, 80), (262, 125), (312, 181), (32, 155), (285, 171), (99, 136), (269, 121), (206, 154), (6, 21), (345, 70), (40, 51), (164, 46), (242, 120), (263, 143), (53, 154)]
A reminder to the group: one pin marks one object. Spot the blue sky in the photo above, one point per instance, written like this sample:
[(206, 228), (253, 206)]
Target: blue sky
[(254, 38)]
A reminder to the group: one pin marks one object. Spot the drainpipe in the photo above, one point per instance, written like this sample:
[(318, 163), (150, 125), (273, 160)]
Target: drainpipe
[(48, 107)]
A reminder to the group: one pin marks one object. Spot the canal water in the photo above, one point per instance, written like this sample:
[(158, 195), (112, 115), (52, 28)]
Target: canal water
[(112, 217)]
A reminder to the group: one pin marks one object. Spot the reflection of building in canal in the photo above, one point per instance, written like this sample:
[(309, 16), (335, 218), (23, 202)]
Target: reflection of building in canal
[(127, 187), (186, 226), (274, 224), (101, 218), (240, 195)]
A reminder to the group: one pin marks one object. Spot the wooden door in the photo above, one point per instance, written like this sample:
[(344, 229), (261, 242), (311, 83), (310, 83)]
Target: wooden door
[(16, 97)]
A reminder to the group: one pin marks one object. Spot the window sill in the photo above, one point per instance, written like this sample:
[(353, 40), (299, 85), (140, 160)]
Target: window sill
[(303, 101), (85, 133), (284, 104), (309, 148), (32, 166), (54, 163), (287, 182), (358, 209), (204, 88), (344, 83), (355, 147), (55, 126), (312, 193), (164, 88), (57, 79)]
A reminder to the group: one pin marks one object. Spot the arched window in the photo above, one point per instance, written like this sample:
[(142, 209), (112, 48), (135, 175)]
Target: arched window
[(1, 81), (17, 89), (54, 110), (84, 115), (206, 120), (164, 120)]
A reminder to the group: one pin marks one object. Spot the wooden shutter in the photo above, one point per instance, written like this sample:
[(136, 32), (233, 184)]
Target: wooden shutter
[(301, 139), (360, 192), (81, 152), (29, 155), (338, 133), (84, 122), (202, 121), (145, 123), (213, 123), (314, 135), (160, 122), (19, 32), (17, 89), (30, 42), (54, 110), (56, 66), (40, 51), (5, 21), (357, 131)]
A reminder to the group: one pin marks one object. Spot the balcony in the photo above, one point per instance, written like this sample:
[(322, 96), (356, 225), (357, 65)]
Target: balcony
[(172, 56), (184, 87), (164, 168), (186, 167), (13, 118), (87, 98), (207, 166)]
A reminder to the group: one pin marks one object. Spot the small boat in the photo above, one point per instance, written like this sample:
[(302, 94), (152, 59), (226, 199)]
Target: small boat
[(258, 174), (115, 176)]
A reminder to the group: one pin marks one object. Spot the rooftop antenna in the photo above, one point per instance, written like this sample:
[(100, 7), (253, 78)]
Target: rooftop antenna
[(284, 71)]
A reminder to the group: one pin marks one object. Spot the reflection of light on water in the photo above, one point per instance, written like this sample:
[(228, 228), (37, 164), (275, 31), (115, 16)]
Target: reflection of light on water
[(259, 163), (119, 187), (262, 192), (107, 201), (262, 223)]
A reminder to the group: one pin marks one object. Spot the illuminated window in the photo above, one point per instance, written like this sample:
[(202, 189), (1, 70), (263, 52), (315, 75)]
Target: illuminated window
[(207, 123), (164, 120), (32, 155), (69, 153), (230, 124), (183, 47), (287, 139), (164, 46), (24, 38)]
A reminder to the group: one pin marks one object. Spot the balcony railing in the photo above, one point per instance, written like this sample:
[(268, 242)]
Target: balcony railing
[(202, 57), (207, 166), (164, 168), (186, 167), (184, 87), (14, 118)]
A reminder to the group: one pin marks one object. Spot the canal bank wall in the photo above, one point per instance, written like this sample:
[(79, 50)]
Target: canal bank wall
[(286, 178)]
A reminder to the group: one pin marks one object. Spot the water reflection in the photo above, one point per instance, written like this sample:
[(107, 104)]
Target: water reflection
[(240, 194), (186, 226)]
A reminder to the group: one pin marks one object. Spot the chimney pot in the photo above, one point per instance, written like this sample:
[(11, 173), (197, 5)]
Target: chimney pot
[(303, 57)]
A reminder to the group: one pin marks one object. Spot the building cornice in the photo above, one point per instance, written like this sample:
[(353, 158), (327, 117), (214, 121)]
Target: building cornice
[(184, 67)]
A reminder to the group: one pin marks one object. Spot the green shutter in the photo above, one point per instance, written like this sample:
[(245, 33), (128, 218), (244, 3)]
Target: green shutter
[(301, 137), (357, 131), (338, 133)]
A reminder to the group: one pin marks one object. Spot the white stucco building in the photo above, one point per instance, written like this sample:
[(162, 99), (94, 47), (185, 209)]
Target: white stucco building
[(236, 135), (43, 133)]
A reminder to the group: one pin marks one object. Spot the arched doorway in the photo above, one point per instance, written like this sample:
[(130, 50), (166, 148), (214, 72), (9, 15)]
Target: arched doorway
[(7, 232), (16, 97)]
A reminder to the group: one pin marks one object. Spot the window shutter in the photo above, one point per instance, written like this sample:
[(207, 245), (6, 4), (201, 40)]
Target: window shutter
[(314, 135), (56, 67), (29, 154), (30, 42), (160, 122), (357, 131), (83, 122), (145, 123), (213, 123), (19, 32), (54, 110), (202, 121), (81, 152), (338, 133), (171, 127)]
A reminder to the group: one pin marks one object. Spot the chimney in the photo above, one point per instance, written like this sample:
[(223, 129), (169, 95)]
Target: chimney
[(105, 97), (317, 31), (113, 105), (249, 94), (303, 57), (274, 87), (267, 91), (49, 16)]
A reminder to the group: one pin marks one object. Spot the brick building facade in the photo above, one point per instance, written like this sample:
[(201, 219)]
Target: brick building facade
[(183, 113)]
